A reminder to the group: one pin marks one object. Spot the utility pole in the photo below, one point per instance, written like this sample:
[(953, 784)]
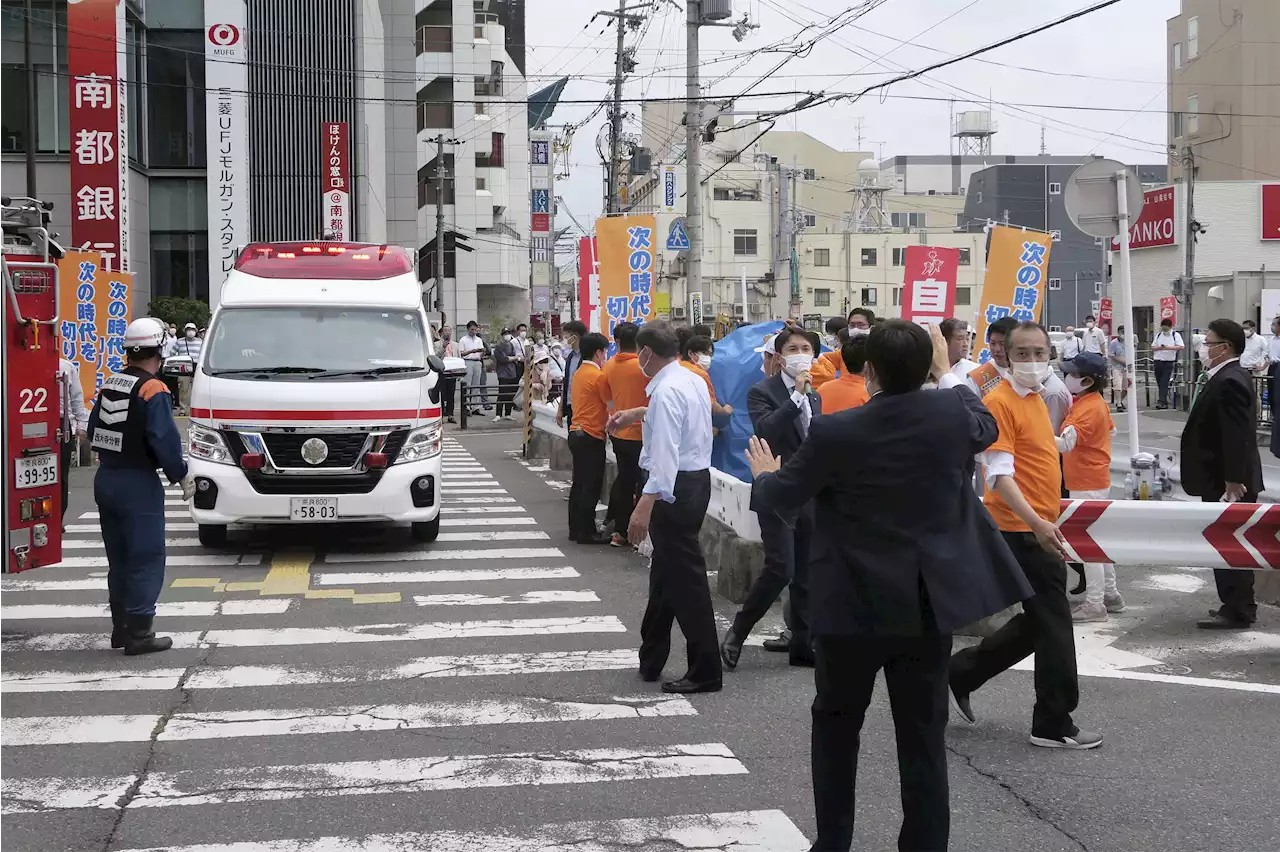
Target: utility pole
[(615, 119), (29, 69), (440, 176), (1189, 284), (693, 155)]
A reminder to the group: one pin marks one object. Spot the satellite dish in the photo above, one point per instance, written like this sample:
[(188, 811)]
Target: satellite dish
[(868, 171)]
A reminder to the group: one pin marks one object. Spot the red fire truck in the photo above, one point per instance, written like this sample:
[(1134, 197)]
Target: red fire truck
[(29, 398)]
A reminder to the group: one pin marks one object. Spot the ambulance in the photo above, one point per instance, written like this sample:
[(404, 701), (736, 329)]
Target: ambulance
[(316, 397)]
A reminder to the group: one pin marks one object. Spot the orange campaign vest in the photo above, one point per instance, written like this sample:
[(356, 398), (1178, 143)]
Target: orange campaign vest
[(986, 378)]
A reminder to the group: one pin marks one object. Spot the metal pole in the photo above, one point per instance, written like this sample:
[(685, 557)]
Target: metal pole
[(615, 125), (29, 68), (693, 153), (1189, 349), (1130, 394), (440, 227)]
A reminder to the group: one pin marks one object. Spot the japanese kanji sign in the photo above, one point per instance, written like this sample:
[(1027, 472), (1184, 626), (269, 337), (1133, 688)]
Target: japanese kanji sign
[(98, 121), (335, 177), (96, 308), (1017, 266), (226, 55), (929, 283), (627, 271)]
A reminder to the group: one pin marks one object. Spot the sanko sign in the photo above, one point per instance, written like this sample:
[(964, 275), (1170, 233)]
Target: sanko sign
[(1155, 227)]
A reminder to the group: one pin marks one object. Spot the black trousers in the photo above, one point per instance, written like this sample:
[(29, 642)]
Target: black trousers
[(1235, 586), (678, 588), (1164, 373), (448, 393), (626, 485), (786, 562), (588, 482), (915, 671), (1043, 628), (506, 393), (65, 450)]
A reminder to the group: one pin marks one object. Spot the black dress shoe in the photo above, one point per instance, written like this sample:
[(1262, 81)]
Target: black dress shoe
[(730, 649), (1221, 621), (804, 660), (779, 645), (961, 701), (650, 676), (595, 539), (684, 686)]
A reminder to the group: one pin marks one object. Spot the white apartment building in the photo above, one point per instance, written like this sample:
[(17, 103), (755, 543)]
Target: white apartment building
[(471, 88)]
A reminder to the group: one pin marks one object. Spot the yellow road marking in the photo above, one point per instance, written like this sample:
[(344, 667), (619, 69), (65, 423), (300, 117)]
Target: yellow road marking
[(289, 574)]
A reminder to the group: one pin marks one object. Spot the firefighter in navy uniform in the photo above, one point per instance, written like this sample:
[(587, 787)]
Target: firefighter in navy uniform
[(133, 431)]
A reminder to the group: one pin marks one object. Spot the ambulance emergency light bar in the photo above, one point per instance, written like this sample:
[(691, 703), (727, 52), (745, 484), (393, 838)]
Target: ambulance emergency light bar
[(356, 261)]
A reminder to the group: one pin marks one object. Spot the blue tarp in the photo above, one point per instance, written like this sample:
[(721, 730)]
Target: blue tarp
[(734, 369)]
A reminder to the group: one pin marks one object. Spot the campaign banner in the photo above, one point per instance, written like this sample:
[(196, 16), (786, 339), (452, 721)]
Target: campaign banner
[(668, 189), (336, 179), (1104, 316), (1017, 263), (929, 283), (1269, 199), (626, 249), (1168, 310), (588, 284), (98, 119), (96, 307), (1155, 225), (226, 69)]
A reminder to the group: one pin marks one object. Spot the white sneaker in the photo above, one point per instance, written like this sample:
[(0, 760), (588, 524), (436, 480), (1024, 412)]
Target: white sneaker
[(497, 419), (1080, 741), (1086, 612), (1114, 603)]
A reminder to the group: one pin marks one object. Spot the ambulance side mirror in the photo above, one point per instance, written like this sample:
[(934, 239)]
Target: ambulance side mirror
[(435, 363)]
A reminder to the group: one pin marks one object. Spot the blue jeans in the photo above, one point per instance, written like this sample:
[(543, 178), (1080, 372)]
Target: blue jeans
[(131, 511)]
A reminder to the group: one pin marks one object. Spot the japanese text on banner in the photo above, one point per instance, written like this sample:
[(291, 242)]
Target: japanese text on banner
[(1017, 263), (96, 310), (929, 278), (626, 258)]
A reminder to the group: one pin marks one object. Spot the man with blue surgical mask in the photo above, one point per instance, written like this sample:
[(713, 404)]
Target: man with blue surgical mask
[(781, 408)]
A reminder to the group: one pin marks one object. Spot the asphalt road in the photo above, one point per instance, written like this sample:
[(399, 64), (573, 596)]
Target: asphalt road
[(494, 706)]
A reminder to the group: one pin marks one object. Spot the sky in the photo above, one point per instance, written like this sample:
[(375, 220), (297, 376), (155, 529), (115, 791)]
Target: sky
[(1110, 65)]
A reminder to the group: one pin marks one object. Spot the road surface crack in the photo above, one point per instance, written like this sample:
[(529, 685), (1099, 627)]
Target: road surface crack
[(184, 698), (1032, 808)]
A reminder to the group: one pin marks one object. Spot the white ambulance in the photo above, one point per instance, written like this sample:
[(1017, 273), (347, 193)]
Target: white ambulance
[(316, 396)]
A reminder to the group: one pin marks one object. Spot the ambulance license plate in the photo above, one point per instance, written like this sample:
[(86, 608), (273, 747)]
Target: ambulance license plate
[(35, 471), (313, 508)]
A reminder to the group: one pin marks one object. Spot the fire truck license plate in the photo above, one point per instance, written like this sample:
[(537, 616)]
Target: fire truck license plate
[(35, 471), (313, 508)]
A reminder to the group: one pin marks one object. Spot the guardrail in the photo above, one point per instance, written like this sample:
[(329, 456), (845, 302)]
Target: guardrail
[(1172, 533)]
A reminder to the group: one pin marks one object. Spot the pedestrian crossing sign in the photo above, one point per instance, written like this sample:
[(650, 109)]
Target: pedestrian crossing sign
[(677, 238)]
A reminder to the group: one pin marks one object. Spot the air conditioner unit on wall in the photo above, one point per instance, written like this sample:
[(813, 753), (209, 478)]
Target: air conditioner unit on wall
[(737, 310), (677, 312), (758, 309)]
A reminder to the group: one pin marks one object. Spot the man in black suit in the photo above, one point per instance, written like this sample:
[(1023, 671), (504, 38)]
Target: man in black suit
[(781, 408), (1220, 456), (903, 554)]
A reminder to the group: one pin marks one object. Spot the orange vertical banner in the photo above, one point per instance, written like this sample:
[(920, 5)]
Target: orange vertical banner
[(95, 306), (1014, 286), (627, 252)]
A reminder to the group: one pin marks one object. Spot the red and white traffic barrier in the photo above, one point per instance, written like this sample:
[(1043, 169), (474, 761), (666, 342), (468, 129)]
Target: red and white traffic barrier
[(1152, 532)]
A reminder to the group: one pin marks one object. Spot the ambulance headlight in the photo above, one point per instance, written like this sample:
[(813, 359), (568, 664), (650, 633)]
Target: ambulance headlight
[(421, 444), (207, 444)]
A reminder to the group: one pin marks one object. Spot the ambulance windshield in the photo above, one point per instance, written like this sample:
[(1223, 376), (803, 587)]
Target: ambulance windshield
[(315, 343)]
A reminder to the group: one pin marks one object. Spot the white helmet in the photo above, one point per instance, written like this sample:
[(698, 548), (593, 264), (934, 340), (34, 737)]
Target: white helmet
[(145, 333)]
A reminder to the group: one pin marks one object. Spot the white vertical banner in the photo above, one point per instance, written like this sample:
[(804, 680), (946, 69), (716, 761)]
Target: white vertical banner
[(226, 55), (668, 189)]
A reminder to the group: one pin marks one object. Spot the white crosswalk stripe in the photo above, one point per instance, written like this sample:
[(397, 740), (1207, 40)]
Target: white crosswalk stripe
[(483, 614)]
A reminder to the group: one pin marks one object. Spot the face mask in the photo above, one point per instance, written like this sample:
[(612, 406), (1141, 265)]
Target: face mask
[(1248, 332), (1088, 325), (704, 361), (523, 335), (797, 364), (191, 334), (1075, 384), (506, 337), (644, 366), (1030, 374), (1203, 352)]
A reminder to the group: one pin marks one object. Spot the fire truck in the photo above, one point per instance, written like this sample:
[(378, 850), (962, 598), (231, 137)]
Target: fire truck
[(29, 392)]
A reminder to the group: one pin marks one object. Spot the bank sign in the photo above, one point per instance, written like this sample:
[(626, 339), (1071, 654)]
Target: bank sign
[(1156, 226)]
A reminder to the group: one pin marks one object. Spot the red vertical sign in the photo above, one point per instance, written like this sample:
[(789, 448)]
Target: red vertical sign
[(336, 171), (1156, 223), (588, 281), (1104, 316), (929, 283), (96, 58), (1169, 309), (1271, 211)]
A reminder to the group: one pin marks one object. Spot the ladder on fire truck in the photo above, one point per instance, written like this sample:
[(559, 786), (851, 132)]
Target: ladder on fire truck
[(29, 398)]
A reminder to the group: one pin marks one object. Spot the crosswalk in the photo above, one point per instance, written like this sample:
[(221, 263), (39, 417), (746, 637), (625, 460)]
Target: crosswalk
[(497, 673)]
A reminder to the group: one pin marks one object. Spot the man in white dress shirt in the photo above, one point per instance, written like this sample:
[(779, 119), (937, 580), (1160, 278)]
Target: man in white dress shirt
[(1257, 353), (673, 503), (1071, 345), (1095, 339)]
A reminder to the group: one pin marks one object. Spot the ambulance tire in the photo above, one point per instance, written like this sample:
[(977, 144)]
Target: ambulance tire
[(426, 531), (212, 535)]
